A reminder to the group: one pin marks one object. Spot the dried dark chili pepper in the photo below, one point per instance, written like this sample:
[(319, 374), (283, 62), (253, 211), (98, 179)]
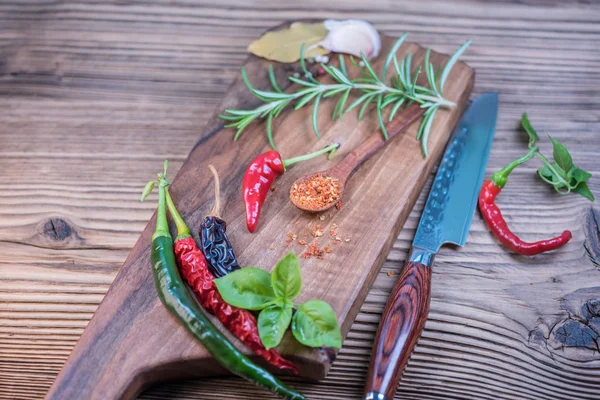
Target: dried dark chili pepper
[(495, 221), (261, 173), (195, 272), (213, 235), (177, 299)]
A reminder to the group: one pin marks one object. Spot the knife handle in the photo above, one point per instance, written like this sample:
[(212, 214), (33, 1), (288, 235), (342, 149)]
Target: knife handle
[(400, 327)]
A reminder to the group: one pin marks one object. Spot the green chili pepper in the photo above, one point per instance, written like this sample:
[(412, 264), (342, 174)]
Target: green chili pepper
[(175, 296)]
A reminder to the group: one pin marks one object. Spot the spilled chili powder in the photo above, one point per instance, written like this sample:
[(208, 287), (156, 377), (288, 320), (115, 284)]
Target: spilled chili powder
[(316, 192)]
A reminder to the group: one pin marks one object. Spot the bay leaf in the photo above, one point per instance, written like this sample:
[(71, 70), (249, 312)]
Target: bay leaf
[(284, 45)]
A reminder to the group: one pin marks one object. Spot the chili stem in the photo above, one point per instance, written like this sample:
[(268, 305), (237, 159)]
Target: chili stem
[(216, 210), (182, 229), (162, 226), (499, 178), (332, 148)]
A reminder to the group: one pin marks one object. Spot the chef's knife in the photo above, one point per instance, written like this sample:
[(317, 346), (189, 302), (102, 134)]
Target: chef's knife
[(446, 218)]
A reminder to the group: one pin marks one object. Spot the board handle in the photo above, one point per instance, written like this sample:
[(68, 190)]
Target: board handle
[(401, 325)]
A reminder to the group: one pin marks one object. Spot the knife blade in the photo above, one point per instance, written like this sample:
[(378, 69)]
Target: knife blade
[(446, 218)]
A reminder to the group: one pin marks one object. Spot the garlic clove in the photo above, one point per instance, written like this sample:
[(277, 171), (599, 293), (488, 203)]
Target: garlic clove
[(351, 36)]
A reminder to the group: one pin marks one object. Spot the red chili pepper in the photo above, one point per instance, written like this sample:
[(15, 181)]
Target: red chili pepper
[(261, 173), (195, 272), (495, 221)]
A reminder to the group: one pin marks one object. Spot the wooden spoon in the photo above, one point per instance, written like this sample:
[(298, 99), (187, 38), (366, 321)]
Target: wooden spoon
[(346, 168)]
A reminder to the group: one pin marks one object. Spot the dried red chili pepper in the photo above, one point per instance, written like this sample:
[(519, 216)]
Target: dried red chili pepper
[(261, 173), (195, 272), (214, 242), (495, 221)]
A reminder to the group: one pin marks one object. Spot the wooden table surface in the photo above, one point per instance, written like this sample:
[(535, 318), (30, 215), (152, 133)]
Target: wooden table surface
[(94, 95)]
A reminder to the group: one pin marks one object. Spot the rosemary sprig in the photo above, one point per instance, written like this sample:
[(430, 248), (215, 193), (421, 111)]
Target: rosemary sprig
[(401, 91)]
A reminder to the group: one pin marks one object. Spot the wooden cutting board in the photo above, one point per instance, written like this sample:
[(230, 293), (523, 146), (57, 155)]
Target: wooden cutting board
[(132, 341)]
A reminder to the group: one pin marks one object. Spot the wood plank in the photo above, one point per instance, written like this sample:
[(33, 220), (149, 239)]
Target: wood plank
[(136, 73)]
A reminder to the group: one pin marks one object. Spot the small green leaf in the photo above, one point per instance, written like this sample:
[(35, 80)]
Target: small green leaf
[(273, 79), (250, 87), (407, 69), (304, 100), (358, 101), (248, 288), (427, 122), (358, 67), (307, 73), (545, 172), (396, 108), (561, 155), (286, 279), (450, 64), (147, 189), (533, 136), (302, 82), (363, 108), (391, 55), (331, 93), (584, 190), (368, 67), (337, 74), (229, 117), (342, 103), (315, 325), (315, 114), (270, 96), (380, 117), (580, 175), (342, 64), (270, 131), (273, 321)]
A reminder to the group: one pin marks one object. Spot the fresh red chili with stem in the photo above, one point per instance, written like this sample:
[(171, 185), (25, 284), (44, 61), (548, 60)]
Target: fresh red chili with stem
[(260, 175), (495, 221), (194, 270)]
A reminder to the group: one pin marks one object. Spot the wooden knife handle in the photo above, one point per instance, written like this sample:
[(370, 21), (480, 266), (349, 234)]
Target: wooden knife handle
[(400, 327)]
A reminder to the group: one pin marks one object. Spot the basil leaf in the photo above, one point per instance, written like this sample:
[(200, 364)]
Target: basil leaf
[(533, 136), (315, 325), (248, 288), (286, 279), (560, 171), (561, 155), (584, 190), (546, 172), (273, 321), (580, 175)]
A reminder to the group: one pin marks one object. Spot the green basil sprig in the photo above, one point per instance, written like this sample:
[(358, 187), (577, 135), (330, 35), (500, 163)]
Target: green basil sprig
[(314, 323), (562, 174)]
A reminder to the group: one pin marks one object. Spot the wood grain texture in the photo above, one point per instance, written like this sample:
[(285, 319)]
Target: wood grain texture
[(350, 164), (401, 325), (120, 353), (87, 91)]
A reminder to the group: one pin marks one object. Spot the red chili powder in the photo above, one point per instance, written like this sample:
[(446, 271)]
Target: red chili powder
[(316, 192)]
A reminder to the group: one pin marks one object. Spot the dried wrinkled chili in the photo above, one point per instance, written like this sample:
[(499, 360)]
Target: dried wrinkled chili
[(261, 173), (214, 241), (177, 299), (194, 269), (495, 221)]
